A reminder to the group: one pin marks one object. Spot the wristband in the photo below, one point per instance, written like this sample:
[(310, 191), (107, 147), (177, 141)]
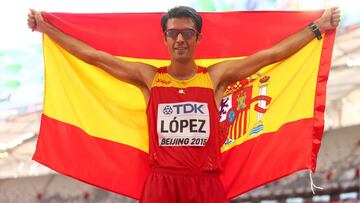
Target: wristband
[(313, 27)]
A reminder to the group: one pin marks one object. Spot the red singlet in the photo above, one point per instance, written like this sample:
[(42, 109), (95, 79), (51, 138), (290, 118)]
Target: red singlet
[(183, 122)]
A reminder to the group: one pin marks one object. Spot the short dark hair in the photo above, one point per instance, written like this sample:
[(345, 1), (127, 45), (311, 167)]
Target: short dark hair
[(182, 12)]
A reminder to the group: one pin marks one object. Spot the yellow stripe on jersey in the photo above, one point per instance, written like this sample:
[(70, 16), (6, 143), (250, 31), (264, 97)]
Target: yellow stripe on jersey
[(200, 79)]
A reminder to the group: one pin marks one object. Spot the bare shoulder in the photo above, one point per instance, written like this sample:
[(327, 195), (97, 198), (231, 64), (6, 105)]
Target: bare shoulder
[(147, 72), (218, 67), (217, 72)]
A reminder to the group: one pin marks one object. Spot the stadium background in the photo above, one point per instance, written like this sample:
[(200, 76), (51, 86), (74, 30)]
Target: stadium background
[(21, 95)]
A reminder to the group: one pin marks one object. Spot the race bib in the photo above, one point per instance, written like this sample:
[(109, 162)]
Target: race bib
[(183, 124)]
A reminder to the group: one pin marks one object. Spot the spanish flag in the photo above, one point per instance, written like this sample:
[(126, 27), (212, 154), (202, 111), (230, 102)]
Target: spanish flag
[(94, 126)]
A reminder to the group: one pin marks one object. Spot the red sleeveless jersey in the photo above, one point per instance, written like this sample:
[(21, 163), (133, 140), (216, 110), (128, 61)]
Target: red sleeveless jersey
[(183, 122)]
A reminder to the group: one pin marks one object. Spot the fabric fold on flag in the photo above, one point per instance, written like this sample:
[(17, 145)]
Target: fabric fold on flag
[(94, 126)]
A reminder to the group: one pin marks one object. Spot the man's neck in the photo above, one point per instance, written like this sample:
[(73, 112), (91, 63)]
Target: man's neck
[(182, 71)]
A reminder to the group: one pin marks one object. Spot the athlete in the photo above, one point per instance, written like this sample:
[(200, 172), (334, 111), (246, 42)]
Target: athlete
[(183, 99)]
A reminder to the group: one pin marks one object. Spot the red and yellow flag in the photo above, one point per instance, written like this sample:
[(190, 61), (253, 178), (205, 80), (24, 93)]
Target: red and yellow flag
[(94, 126)]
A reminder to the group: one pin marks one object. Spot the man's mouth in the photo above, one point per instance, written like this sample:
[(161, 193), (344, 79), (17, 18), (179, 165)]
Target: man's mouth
[(180, 48)]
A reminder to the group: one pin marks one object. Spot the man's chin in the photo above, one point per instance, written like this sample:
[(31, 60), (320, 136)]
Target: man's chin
[(182, 58)]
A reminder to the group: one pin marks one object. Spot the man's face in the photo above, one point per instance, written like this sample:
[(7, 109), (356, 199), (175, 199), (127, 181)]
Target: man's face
[(181, 46)]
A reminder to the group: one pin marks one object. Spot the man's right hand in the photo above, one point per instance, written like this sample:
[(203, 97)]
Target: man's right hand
[(35, 20)]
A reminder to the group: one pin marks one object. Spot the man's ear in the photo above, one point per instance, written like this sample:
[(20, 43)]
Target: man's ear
[(198, 38), (164, 39)]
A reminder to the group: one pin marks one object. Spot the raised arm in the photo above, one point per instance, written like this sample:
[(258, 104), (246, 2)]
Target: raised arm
[(139, 74), (227, 72)]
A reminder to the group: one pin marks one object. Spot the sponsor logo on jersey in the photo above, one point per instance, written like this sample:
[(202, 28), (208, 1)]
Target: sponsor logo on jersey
[(183, 124)]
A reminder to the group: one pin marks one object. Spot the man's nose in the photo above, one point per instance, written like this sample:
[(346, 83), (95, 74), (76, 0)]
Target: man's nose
[(180, 38)]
